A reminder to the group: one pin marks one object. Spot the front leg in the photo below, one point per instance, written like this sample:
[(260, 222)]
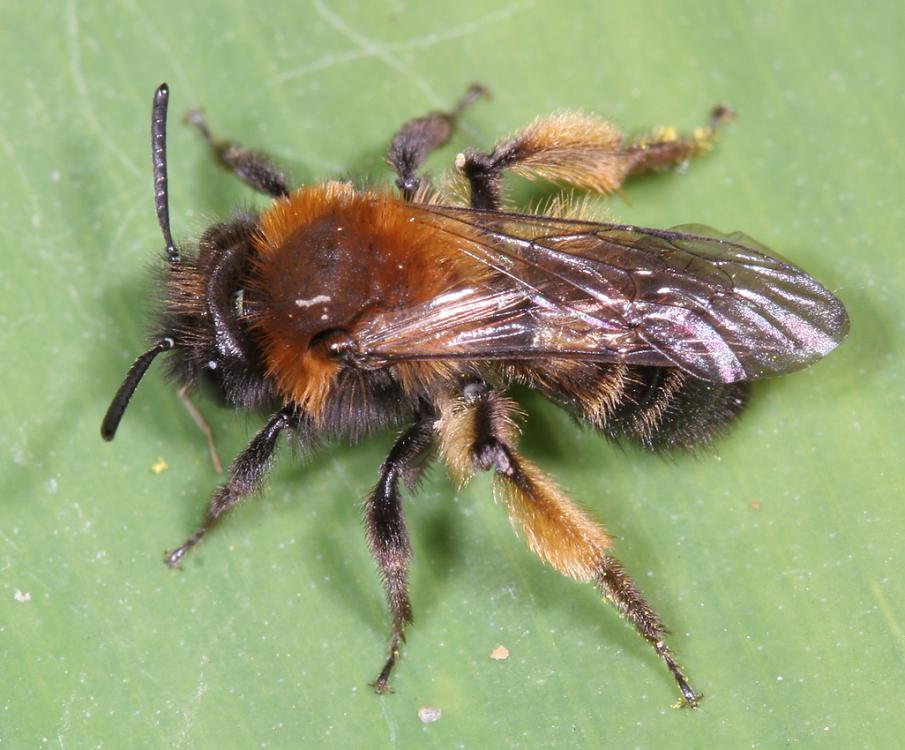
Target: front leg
[(246, 475), (388, 538), (254, 168)]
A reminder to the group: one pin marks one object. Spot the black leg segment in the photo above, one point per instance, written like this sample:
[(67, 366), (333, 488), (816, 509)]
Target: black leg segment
[(246, 475), (388, 538), (252, 167), (415, 140)]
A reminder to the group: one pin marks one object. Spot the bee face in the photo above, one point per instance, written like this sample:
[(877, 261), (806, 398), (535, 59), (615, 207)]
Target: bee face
[(206, 313)]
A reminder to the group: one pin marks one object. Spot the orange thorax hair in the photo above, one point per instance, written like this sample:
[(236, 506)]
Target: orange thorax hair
[(330, 258)]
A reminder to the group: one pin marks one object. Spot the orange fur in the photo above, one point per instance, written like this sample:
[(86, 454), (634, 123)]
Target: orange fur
[(307, 376), (343, 256), (286, 215), (456, 430), (597, 388), (581, 207), (646, 419), (416, 377), (187, 289)]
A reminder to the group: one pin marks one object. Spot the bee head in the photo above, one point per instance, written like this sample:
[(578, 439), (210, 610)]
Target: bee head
[(202, 323), (206, 311)]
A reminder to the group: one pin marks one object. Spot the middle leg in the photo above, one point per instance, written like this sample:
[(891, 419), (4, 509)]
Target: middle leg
[(388, 538), (415, 140)]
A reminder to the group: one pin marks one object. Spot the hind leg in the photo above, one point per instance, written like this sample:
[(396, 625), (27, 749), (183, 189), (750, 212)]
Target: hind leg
[(582, 151), (479, 433)]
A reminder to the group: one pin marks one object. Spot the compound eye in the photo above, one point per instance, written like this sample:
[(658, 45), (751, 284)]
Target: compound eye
[(239, 302)]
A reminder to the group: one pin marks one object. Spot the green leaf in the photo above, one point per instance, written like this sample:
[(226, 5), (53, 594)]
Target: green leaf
[(776, 558)]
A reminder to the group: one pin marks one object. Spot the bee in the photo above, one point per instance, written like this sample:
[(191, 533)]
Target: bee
[(343, 311)]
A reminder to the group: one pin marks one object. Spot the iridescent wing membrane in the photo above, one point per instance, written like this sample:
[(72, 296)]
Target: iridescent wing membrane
[(719, 307)]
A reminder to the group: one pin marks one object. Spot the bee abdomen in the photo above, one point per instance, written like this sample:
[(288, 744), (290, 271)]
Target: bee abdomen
[(663, 408), (659, 407)]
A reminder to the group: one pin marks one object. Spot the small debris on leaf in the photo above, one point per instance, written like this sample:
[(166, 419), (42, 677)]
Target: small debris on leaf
[(429, 714), (160, 467), (22, 596), (500, 653), (755, 504)]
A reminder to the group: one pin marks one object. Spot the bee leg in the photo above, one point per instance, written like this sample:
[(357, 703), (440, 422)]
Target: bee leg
[(201, 424), (581, 151), (479, 432), (485, 178), (246, 475), (254, 168), (415, 140), (664, 148), (388, 538)]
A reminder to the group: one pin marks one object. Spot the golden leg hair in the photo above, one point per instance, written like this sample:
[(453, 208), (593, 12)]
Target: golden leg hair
[(479, 432), (582, 151)]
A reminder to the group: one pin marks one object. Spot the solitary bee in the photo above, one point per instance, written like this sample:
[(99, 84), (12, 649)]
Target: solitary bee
[(343, 311)]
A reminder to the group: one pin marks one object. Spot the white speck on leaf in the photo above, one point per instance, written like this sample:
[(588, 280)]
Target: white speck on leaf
[(429, 714)]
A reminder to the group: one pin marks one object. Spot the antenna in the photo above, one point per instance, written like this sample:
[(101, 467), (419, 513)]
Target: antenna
[(159, 161), (124, 393), (161, 201)]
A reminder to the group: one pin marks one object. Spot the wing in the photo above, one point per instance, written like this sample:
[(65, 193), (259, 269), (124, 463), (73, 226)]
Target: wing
[(720, 307)]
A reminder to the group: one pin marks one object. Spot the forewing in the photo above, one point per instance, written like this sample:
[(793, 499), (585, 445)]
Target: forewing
[(720, 307)]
